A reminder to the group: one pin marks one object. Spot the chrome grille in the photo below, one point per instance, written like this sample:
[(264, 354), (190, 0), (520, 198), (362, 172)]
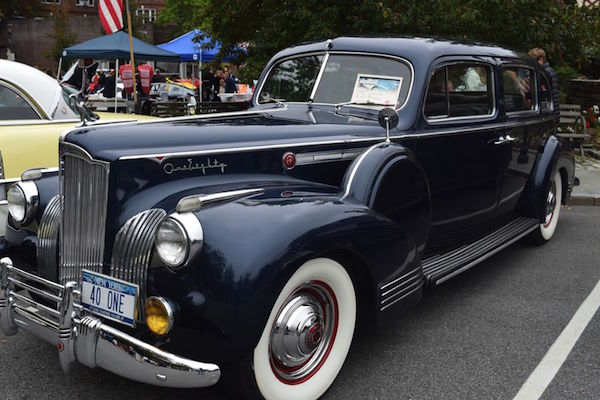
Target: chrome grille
[(84, 190), (133, 248), (47, 243)]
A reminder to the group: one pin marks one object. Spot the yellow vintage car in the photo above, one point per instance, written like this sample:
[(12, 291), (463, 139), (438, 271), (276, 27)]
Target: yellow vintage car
[(34, 111)]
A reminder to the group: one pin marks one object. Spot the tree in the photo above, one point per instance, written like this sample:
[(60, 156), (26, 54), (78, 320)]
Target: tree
[(184, 15), (569, 34), (62, 36)]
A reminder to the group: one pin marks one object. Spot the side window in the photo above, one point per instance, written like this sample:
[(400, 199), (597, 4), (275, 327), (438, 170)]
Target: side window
[(545, 94), (519, 89), (460, 90), (13, 106)]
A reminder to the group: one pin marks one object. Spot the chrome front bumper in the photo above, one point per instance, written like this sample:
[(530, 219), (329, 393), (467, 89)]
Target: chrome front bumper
[(86, 339)]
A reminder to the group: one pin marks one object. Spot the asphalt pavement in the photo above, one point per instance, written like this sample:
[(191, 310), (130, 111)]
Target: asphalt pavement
[(477, 336)]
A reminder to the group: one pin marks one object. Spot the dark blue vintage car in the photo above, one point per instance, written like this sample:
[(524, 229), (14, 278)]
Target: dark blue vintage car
[(243, 246)]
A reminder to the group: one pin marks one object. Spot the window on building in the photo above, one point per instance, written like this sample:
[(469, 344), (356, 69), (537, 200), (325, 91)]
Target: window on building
[(147, 14), (51, 1), (81, 3), (460, 90)]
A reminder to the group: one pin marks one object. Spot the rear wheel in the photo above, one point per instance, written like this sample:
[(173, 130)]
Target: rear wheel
[(307, 336), (546, 229)]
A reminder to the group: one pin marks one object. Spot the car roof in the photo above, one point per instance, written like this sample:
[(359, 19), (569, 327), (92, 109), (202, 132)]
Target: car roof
[(40, 87), (406, 47)]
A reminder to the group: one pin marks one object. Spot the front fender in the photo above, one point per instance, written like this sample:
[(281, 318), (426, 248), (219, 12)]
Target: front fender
[(251, 249)]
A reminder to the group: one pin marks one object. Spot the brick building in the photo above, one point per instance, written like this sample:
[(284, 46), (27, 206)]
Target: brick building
[(30, 38)]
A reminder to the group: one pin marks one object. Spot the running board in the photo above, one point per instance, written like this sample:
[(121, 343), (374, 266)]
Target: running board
[(441, 267)]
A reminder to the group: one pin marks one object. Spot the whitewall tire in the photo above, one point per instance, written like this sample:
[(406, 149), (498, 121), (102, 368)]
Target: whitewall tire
[(308, 334), (552, 211)]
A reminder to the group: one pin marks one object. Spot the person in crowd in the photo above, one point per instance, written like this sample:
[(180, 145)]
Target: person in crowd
[(217, 78), (158, 78), (230, 86), (107, 81), (540, 56)]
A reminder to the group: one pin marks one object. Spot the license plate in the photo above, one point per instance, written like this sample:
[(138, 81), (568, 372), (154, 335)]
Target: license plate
[(109, 297)]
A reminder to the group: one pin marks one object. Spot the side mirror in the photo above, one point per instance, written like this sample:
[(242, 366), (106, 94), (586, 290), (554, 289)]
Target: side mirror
[(388, 119)]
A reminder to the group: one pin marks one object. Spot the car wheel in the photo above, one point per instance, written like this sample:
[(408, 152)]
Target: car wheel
[(307, 336), (553, 200)]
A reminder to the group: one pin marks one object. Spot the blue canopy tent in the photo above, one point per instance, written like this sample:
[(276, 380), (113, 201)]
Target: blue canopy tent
[(189, 50), (116, 46)]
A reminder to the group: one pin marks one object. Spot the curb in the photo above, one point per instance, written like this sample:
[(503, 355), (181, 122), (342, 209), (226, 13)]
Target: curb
[(584, 200)]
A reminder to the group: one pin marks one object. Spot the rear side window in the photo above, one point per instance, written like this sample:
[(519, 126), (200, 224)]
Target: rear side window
[(13, 106), (519, 89), (460, 90)]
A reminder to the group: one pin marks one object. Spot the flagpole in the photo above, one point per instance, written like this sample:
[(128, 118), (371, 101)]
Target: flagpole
[(135, 99)]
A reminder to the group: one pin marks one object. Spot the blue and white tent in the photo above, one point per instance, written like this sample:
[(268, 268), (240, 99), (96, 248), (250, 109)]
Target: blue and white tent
[(190, 50)]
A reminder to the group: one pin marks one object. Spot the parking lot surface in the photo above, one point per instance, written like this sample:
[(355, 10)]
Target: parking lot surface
[(478, 336)]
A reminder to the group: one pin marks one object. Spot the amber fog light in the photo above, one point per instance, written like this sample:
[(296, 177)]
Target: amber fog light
[(159, 315)]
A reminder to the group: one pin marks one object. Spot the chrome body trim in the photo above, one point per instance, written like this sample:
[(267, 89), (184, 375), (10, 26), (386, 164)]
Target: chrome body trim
[(132, 251), (354, 169), (196, 202), (84, 339), (47, 242), (319, 76), (397, 289), (319, 157), (407, 135), (1, 166), (36, 173), (84, 190)]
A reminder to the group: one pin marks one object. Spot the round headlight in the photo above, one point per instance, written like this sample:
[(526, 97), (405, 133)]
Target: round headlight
[(171, 242), (159, 315), (22, 198), (179, 238)]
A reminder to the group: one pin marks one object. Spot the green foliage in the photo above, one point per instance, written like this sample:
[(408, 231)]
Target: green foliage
[(24, 8), (565, 74), (570, 35), (62, 36)]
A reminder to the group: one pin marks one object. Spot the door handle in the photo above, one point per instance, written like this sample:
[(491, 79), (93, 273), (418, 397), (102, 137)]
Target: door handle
[(503, 140)]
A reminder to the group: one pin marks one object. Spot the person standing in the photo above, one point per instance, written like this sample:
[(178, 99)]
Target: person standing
[(230, 86), (540, 56)]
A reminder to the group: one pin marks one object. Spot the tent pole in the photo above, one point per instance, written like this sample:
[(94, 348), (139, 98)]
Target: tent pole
[(59, 68), (116, 79), (200, 77), (135, 97)]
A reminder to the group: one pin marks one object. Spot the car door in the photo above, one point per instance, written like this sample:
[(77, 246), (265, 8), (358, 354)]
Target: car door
[(456, 146), (526, 118)]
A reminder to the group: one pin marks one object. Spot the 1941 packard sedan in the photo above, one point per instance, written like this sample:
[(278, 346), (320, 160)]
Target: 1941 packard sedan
[(243, 246)]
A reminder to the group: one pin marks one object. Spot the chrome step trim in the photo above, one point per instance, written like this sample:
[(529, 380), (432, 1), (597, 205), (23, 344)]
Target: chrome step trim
[(441, 267)]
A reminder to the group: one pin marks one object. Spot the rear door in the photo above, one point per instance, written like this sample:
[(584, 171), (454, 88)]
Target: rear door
[(527, 113), (456, 146)]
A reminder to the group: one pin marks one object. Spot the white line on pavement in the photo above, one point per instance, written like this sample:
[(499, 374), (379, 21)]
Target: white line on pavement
[(544, 373)]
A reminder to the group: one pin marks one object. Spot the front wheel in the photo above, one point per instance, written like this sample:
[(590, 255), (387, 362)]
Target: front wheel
[(308, 334), (546, 229)]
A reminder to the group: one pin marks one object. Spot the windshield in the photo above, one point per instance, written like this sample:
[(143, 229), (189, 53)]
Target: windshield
[(347, 78)]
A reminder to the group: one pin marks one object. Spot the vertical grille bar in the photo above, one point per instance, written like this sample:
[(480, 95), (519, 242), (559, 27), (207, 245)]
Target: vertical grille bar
[(84, 192)]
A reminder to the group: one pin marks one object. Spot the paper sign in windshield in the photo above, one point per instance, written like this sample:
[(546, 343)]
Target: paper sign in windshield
[(377, 90)]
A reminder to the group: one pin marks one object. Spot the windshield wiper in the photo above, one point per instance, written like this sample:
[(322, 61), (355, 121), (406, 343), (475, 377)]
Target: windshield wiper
[(279, 102), (352, 103)]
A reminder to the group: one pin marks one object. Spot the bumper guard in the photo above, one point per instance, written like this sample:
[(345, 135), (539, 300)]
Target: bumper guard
[(86, 339)]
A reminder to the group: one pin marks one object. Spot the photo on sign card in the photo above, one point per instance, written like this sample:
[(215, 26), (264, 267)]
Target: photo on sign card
[(377, 90)]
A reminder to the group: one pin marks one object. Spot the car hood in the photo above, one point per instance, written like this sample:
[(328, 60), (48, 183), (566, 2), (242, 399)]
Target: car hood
[(230, 131)]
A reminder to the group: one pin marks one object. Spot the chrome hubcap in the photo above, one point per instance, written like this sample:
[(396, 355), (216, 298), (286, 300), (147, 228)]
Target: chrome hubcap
[(550, 204), (303, 332)]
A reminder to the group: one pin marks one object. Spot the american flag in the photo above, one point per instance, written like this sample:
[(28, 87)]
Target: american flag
[(111, 15)]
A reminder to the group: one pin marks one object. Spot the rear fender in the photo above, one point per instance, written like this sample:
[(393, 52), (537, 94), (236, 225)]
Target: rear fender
[(554, 157)]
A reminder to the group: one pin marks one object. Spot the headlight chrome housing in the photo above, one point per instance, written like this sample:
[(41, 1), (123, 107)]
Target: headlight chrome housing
[(23, 200), (179, 239)]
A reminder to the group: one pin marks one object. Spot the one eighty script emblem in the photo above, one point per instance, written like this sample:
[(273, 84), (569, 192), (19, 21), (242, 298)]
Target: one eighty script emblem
[(169, 168)]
